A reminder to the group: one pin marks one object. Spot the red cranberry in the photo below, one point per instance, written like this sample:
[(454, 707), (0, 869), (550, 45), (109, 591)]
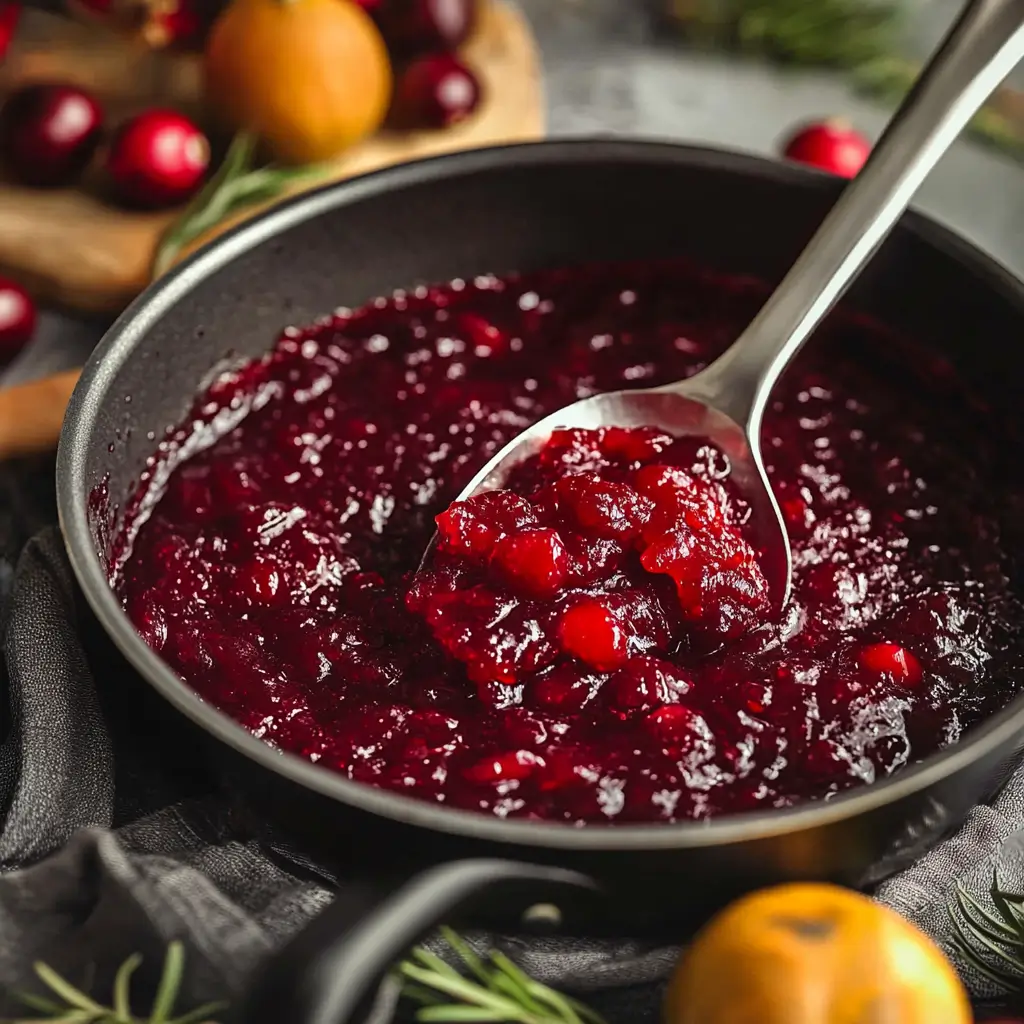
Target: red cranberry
[(533, 561), (645, 683), (10, 15), (892, 661), (424, 26), (565, 768), (181, 24), (485, 337), (156, 159), (830, 146), (472, 527), (590, 631), (564, 688), (640, 444), (49, 133), (262, 580), (673, 724), (514, 765), (435, 91), (17, 318), (604, 508)]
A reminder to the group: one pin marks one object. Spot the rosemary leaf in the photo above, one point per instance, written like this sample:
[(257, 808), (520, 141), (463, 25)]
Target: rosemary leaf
[(71, 995), (998, 952), (170, 983), (455, 1012), (122, 989), (468, 992), (981, 920), (421, 994), (566, 1011), (40, 1003), (435, 963), (468, 957), (504, 984), (532, 994)]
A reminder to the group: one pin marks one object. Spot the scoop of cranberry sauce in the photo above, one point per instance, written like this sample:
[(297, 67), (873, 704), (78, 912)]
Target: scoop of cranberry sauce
[(591, 644), (578, 564)]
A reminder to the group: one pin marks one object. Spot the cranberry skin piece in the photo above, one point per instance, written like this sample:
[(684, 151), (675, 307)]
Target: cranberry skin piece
[(892, 661), (533, 561), (515, 765), (644, 683), (49, 133), (414, 27), (17, 318), (472, 527), (158, 158), (831, 146), (589, 630), (10, 15), (436, 91)]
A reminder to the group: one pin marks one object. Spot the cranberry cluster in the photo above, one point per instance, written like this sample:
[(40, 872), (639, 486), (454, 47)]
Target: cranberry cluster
[(576, 568)]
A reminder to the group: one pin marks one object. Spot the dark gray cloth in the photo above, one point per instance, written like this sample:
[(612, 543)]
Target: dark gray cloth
[(115, 842)]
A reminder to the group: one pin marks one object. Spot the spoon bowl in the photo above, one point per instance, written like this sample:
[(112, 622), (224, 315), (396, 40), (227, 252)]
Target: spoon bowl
[(684, 409)]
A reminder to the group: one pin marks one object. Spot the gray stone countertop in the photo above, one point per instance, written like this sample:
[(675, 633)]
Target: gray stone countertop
[(606, 74)]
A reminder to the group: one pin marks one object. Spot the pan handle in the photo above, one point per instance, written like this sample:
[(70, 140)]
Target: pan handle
[(331, 972)]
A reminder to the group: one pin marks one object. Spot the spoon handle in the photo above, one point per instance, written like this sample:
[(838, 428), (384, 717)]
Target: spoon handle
[(980, 50)]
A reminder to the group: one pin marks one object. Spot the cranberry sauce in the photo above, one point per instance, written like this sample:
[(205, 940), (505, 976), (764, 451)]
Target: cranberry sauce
[(577, 568), (275, 570)]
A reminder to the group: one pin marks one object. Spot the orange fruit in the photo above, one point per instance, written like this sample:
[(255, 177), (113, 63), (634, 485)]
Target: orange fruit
[(309, 77), (813, 954)]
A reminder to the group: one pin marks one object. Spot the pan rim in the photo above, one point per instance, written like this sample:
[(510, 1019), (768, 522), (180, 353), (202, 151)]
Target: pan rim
[(130, 328)]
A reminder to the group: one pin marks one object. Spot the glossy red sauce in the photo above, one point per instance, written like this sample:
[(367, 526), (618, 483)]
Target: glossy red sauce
[(594, 646)]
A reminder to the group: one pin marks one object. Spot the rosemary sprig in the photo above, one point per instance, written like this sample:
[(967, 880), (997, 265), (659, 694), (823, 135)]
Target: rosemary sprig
[(70, 1005), (858, 37), (235, 185), (491, 989), (992, 943), (826, 33)]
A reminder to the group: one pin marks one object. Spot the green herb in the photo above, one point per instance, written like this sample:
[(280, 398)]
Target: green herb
[(491, 989), (70, 1005), (236, 185), (860, 37), (992, 942), (825, 33)]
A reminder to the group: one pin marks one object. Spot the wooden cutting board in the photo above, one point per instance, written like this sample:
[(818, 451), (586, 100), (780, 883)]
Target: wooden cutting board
[(73, 249)]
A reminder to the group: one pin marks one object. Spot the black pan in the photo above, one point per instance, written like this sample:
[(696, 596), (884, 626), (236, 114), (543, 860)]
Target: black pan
[(499, 210)]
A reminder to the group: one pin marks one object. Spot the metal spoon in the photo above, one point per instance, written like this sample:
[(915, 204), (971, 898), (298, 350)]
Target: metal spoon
[(726, 401)]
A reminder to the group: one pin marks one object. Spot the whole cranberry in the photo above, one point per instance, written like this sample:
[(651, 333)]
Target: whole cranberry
[(156, 159), (424, 26), (177, 24), (49, 133), (435, 92), (17, 319), (10, 13), (830, 146)]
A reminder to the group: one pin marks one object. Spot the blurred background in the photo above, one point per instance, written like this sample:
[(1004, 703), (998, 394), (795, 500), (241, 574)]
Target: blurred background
[(134, 130)]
